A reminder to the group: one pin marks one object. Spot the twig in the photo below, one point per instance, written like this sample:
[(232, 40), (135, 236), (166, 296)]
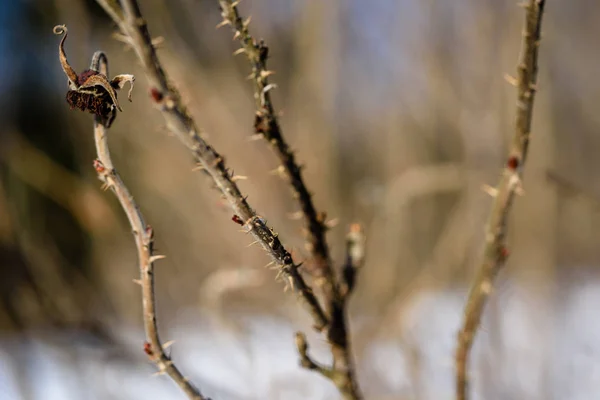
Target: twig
[(495, 252), (267, 125), (167, 99), (143, 235)]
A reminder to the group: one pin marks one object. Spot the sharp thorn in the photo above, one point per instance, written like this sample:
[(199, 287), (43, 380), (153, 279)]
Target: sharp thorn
[(269, 87), (264, 74), (492, 191), (511, 80), (156, 258), (223, 23), (168, 344)]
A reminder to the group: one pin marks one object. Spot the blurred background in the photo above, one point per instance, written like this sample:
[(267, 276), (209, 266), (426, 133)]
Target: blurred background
[(400, 112)]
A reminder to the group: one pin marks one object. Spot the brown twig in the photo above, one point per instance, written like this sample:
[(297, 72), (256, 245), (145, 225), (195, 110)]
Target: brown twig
[(167, 99), (267, 125), (143, 235), (495, 252)]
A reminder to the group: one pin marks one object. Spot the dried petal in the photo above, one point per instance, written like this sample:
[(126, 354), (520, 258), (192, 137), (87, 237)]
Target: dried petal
[(69, 71), (120, 80), (101, 81), (81, 78)]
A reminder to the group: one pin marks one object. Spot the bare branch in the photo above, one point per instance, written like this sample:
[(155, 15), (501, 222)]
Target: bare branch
[(167, 99), (495, 252), (143, 235), (267, 125)]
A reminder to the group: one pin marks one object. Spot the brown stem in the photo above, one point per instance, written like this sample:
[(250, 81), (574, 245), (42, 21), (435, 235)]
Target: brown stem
[(267, 125), (167, 98), (495, 252), (143, 236)]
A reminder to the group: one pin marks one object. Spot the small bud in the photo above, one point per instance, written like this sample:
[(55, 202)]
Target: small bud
[(237, 220), (504, 253), (156, 95), (148, 349), (512, 163), (99, 167)]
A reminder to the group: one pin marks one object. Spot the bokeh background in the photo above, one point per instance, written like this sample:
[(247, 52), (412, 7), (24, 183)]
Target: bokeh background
[(400, 112)]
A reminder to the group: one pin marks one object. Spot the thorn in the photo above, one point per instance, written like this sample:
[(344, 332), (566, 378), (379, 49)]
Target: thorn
[(198, 167), (332, 223), (279, 274), (137, 282), (492, 191), (217, 161), (269, 264), (255, 137), (237, 35), (158, 373), (122, 38), (168, 344), (264, 74), (519, 191), (253, 243), (235, 3), (246, 22), (238, 178), (239, 51), (105, 186), (156, 258), (269, 87), (296, 215), (157, 41), (511, 80), (223, 23), (280, 171)]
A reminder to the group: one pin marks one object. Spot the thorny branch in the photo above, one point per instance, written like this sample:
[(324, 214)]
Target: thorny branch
[(495, 252), (167, 99), (143, 235), (267, 125)]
